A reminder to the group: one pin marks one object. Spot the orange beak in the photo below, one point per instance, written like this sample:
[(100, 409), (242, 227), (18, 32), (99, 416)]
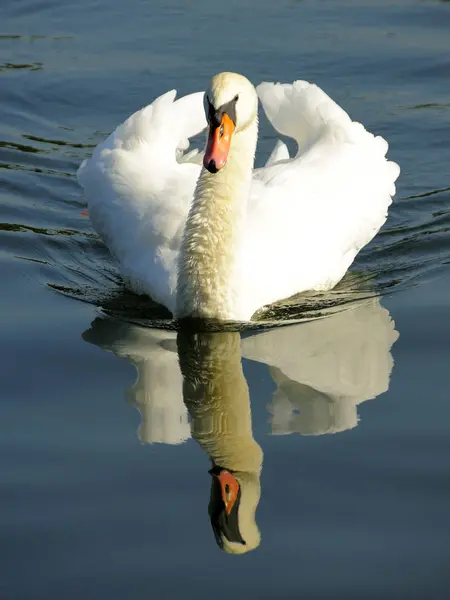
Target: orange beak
[(229, 488), (219, 140)]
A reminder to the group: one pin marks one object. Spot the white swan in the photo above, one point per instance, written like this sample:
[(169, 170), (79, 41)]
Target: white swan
[(224, 240)]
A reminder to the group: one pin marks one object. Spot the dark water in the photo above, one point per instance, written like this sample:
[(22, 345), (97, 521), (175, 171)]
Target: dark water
[(88, 511)]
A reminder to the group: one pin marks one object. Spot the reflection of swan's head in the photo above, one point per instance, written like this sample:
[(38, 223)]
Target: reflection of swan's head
[(231, 106), (232, 507)]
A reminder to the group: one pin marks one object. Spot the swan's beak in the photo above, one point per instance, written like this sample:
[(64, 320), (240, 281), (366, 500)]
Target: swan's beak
[(219, 140), (224, 507), (229, 489)]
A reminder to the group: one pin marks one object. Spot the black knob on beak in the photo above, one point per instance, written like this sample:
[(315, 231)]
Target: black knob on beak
[(211, 166)]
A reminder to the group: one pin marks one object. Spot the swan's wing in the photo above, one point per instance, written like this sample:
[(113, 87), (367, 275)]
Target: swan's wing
[(310, 215), (139, 187), (279, 153)]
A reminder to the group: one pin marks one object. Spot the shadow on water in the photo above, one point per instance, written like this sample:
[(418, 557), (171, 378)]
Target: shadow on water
[(191, 384)]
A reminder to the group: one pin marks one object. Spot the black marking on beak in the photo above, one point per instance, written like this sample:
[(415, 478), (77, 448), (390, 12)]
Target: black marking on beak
[(211, 166), (215, 115)]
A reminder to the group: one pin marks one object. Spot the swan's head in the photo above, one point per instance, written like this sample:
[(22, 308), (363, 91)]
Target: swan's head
[(232, 507), (231, 105)]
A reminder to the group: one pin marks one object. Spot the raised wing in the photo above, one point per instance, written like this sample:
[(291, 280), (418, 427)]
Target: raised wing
[(310, 215), (139, 187)]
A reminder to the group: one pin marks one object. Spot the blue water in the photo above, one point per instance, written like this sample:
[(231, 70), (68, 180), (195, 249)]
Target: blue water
[(100, 500)]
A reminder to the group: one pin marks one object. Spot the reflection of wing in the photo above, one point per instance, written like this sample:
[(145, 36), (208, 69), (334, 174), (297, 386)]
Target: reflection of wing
[(157, 390), (324, 368)]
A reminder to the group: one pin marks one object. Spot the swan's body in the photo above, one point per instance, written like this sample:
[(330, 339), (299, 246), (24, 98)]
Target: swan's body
[(225, 244)]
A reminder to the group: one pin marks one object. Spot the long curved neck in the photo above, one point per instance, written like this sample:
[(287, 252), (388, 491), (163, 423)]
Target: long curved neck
[(208, 270)]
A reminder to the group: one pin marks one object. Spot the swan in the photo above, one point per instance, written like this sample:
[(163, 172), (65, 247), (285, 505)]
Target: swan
[(208, 235)]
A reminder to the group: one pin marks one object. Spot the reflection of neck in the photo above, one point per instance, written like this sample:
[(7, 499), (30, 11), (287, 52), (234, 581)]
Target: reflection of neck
[(217, 397), (208, 277)]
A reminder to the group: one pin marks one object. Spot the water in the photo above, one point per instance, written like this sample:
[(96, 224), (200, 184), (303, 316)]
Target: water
[(357, 504)]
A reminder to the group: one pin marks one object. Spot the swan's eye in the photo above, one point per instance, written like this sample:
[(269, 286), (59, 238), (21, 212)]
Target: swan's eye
[(236, 98)]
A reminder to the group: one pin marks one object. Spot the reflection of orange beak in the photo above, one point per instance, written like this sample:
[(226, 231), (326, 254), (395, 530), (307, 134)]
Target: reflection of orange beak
[(219, 140), (229, 488)]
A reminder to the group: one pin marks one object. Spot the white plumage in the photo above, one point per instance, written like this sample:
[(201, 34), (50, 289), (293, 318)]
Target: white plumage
[(306, 217)]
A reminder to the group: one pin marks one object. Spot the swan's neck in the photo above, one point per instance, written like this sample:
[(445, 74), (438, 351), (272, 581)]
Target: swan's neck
[(209, 280)]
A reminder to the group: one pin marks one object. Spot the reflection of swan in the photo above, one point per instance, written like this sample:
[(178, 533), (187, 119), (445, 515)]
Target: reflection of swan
[(216, 394), (241, 238), (324, 368), (157, 390)]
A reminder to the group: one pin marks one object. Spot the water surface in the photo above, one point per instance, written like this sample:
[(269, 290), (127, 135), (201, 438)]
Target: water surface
[(350, 410)]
